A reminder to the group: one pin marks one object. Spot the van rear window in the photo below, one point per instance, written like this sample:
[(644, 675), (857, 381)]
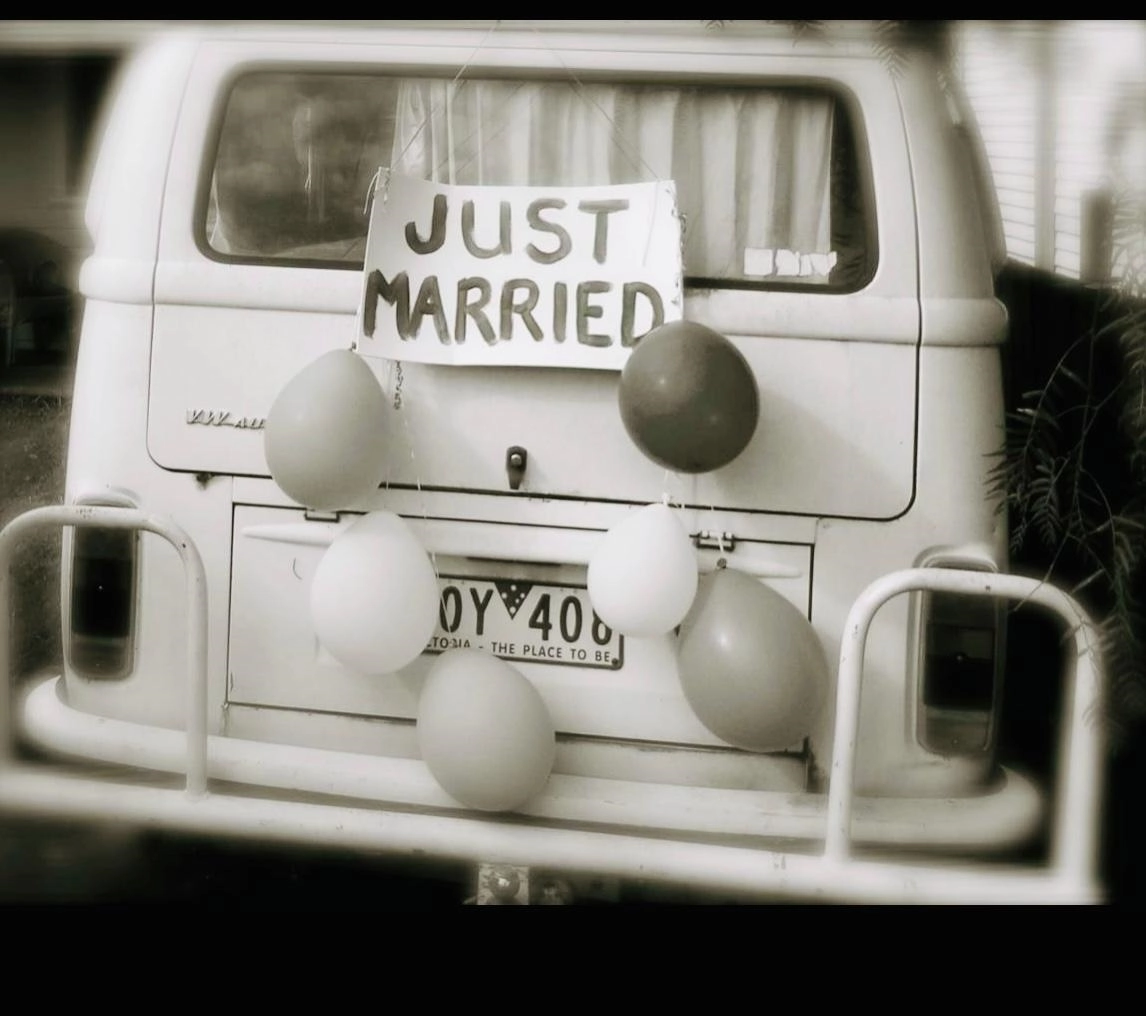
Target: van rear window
[(769, 182)]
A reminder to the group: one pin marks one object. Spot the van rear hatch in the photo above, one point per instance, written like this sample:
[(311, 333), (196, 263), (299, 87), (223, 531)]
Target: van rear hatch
[(260, 272), (532, 613)]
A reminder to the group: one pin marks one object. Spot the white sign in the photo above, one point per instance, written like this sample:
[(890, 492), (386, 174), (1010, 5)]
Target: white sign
[(517, 276)]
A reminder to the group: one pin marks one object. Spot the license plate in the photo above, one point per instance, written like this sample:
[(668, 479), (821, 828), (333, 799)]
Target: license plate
[(530, 622)]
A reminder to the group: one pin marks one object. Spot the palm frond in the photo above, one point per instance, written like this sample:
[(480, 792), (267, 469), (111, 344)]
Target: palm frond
[(1071, 473)]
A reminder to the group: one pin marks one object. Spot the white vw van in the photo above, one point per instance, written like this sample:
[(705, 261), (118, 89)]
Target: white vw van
[(835, 231)]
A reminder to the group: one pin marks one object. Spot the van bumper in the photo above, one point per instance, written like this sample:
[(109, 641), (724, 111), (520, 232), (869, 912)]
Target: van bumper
[(836, 847)]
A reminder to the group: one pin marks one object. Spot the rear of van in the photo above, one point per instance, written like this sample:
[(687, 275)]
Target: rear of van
[(831, 231)]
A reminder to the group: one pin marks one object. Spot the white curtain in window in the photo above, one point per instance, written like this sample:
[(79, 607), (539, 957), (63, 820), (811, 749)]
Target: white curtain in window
[(752, 168)]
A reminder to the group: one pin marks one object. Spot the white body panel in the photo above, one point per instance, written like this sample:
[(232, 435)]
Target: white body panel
[(824, 445)]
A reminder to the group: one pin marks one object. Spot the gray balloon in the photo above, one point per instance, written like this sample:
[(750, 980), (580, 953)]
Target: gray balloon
[(751, 665)]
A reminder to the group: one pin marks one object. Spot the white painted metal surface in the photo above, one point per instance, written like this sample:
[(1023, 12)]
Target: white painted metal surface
[(1008, 814), (1078, 802)]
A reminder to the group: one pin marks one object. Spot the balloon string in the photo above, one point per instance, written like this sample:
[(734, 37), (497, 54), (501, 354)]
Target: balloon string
[(620, 139), (630, 151), (453, 87), (398, 384), (667, 498), (405, 417), (380, 180), (393, 369), (718, 532)]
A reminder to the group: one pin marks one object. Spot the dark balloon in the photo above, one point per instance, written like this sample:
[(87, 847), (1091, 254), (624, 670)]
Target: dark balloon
[(688, 398)]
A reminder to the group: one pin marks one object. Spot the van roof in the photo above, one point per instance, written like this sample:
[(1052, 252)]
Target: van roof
[(823, 39), (819, 38)]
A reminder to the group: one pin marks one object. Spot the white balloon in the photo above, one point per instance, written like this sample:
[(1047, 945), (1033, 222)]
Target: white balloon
[(325, 436), (484, 731), (643, 574), (374, 598)]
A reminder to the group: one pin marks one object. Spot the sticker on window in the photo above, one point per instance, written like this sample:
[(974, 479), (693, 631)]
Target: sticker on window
[(764, 262)]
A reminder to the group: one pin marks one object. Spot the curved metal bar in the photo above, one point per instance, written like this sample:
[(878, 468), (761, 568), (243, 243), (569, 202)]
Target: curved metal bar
[(1074, 849), (835, 873), (120, 518)]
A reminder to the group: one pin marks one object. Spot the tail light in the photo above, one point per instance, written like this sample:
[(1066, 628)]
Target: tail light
[(961, 659), (100, 640)]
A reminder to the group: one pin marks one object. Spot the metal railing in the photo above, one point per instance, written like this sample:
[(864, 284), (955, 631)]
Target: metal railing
[(87, 516)]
